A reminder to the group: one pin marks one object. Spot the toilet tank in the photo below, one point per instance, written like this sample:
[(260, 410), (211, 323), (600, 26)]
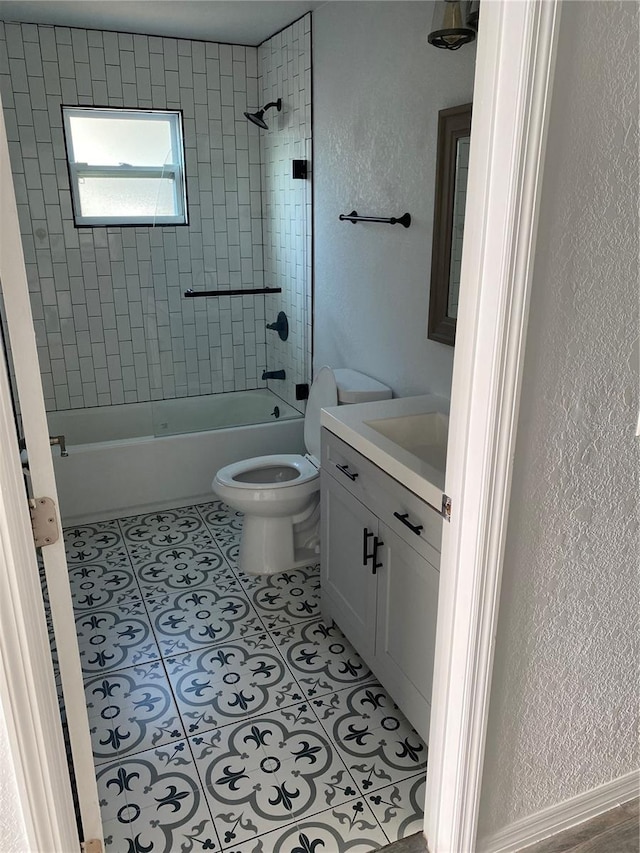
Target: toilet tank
[(356, 387)]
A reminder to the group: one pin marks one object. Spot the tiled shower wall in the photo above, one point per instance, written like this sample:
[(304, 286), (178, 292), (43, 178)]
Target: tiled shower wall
[(284, 70), (111, 322)]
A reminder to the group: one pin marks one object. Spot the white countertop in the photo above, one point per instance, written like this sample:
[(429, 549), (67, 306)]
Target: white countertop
[(350, 424)]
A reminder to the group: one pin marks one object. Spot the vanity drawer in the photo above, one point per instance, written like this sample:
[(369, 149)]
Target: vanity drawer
[(351, 469), (414, 521)]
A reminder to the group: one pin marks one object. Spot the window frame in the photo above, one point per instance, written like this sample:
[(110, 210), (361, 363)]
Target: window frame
[(174, 170)]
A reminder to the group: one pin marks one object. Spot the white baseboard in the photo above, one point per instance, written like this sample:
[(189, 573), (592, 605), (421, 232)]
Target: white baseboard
[(563, 816)]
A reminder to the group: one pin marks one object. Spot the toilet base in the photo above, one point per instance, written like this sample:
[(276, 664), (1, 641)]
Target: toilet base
[(272, 545)]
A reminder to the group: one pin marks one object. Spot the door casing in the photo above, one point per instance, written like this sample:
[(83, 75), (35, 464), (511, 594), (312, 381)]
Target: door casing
[(512, 94)]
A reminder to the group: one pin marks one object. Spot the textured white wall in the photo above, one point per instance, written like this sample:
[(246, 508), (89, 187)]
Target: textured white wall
[(378, 87), (564, 706)]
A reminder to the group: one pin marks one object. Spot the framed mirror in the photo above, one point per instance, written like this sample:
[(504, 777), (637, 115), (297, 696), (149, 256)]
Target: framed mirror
[(452, 164)]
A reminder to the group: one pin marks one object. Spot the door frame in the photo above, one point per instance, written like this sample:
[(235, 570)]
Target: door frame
[(513, 86), (28, 698)]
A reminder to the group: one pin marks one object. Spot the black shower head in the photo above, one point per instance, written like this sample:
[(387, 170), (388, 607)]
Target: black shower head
[(257, 118)]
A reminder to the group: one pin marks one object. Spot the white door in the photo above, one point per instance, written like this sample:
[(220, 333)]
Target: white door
[(30, 396)]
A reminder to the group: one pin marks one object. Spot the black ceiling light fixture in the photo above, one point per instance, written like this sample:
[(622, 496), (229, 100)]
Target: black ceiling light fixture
[(257, 118), (454, 23)]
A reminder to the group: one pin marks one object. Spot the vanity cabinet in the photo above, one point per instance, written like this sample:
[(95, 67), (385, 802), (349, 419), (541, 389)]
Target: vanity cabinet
[(380, 573), (348, 531)]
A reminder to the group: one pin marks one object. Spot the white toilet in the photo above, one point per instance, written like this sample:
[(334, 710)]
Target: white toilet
[(280, 494)]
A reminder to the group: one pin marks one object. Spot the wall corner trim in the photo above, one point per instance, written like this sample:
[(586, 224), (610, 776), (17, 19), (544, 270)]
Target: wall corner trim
[(564, 815)]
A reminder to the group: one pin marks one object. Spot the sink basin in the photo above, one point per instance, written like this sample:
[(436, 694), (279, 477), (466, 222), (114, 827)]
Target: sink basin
[(404, 436), (423, 435)]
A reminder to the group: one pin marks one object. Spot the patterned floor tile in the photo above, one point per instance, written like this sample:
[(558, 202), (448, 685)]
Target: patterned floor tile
[(285, 598), (230, 550), (399, 808), (153, 802), (169, 528), (115, 638), (297, 747), (95, 543), (321, 657), (130, 711), (377, 743), (190, 620), (221, 519), (349, 828), (230, 682), (94, 585), (176, 569), (271, 771)]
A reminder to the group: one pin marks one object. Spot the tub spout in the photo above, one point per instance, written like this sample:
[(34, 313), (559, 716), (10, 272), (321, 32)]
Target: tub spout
[(60, 441), (273, 374)]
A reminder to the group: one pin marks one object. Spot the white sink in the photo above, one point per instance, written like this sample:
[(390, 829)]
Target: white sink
[(423, 435), (404, 436)]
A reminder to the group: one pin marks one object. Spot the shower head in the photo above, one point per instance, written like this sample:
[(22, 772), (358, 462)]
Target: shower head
[(257, 118)]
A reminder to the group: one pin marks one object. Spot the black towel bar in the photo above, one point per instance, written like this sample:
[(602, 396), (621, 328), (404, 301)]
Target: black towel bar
[(353, 217), (193, 294)]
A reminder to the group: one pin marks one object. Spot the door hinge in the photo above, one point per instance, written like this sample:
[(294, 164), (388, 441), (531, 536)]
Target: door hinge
[(93, 845), (446, 507), (44, 521)]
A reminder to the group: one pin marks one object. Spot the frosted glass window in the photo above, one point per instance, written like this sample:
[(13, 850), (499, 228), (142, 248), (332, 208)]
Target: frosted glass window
[(126, 166)]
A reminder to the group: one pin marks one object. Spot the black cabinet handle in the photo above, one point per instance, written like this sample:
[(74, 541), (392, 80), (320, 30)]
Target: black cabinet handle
[(345, 470), (377, 543), (404, 518), (365, 543)]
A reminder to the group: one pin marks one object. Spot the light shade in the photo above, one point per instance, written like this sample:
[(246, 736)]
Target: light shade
[(451, 28)]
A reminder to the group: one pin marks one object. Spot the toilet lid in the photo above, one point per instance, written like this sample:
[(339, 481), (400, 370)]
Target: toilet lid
[(323, 393)]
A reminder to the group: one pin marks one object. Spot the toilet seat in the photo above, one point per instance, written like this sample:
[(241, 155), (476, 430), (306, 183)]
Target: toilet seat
[(302, 467)]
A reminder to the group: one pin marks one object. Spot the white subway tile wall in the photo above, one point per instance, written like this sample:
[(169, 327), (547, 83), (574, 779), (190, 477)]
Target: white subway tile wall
[(111, 321), (284, 71)]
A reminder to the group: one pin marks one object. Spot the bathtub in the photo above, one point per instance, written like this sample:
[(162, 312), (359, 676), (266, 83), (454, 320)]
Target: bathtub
[(117, 466)]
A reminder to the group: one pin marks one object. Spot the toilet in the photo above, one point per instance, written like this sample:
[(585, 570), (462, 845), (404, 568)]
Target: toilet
[(280, 494)]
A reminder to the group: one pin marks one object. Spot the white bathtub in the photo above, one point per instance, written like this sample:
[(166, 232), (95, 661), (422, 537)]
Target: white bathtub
[(116, 465)]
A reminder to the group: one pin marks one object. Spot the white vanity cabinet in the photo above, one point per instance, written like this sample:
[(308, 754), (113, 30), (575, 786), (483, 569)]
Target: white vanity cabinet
[(380, 573)]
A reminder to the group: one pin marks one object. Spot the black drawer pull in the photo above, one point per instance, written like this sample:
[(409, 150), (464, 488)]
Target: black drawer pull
[(404, 518), (377, 543), (345, 470), (365, 542)]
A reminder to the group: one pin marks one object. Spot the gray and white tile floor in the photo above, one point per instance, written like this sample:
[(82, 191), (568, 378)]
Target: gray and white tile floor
[(224, 714)]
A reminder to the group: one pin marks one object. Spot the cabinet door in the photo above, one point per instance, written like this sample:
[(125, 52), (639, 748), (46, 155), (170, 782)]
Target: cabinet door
[(406, 626), (347, 582)]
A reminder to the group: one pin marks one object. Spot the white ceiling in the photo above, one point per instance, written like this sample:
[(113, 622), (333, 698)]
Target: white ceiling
[(235, 21)]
